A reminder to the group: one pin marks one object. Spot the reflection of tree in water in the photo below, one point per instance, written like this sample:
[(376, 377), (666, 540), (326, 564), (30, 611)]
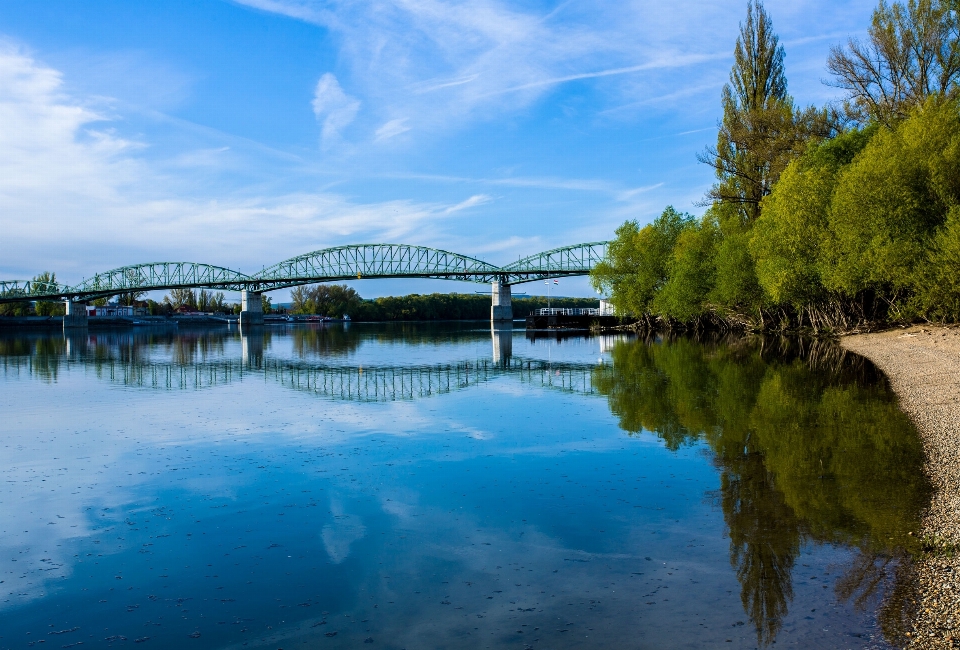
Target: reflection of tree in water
[(191, 347), (810, 447), (764, 540), (184, 347), (891, 574), (336, 340), (324, 341), (43, 353)]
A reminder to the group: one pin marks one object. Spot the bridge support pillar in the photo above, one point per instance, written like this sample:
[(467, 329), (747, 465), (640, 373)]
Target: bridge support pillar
[(75, 316), (251, 308), (502, 307)]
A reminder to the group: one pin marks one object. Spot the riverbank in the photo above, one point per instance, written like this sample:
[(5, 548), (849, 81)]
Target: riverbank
[(923, 365)]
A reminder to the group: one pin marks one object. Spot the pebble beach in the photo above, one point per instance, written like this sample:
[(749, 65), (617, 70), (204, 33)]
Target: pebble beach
[(923, 366)]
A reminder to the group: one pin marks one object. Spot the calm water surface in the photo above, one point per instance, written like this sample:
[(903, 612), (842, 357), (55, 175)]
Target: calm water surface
[(448, 487)]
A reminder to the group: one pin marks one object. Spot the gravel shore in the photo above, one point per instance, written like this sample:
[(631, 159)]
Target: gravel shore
[(923, 365)]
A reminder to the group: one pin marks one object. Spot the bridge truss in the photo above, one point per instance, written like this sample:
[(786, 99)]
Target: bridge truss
[(330, 264)]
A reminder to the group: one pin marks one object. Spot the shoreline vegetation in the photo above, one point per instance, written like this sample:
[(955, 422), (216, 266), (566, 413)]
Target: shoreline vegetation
[(921, 364), (827, 220)]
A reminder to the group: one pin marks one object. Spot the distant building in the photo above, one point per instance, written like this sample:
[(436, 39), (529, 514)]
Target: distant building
[(606, 309), (113, 311)]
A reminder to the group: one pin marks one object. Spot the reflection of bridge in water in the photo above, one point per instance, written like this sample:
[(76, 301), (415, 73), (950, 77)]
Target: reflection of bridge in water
[(371, 383)]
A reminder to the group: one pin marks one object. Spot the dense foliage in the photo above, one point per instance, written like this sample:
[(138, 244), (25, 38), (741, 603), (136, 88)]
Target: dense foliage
[(818, 219)]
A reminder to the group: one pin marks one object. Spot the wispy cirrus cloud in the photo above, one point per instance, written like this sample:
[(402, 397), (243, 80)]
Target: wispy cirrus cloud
[(392, 128), (460, 59), (538, 183), (472, 202), (448, 61)]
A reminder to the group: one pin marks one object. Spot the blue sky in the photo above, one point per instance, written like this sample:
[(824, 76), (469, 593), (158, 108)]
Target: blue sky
[(242, 133)]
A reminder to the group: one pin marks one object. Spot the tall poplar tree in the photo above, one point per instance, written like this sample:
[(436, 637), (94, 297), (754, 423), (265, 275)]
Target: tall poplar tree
[(760, 132)]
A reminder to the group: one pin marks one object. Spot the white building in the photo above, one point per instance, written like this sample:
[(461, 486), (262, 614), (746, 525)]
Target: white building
[(111, 311)]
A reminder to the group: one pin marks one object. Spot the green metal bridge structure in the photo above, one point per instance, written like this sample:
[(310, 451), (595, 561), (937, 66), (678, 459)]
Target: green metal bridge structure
[(355, 262)]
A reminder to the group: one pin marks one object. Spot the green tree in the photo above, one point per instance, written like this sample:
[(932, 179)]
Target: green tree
[(44, 282), (22, 308), (218, 302), (890, 203), (209, 301), (300, 300), (155, 308), (637, 263), (181, 297), (334, 300), (736, 292), (760, 132), (691, 273), (130, 298), (787, 241), (938, 281)]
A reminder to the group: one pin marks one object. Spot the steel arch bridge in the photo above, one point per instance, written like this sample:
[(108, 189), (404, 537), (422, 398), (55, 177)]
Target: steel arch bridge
[(354, 262)]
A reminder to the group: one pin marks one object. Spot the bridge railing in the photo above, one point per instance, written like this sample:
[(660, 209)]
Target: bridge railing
[(566, 311)]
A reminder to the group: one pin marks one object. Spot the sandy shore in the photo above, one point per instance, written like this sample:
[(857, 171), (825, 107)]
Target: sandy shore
[(923, 365)]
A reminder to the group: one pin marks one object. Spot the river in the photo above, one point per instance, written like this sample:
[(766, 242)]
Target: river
[(446, 486)]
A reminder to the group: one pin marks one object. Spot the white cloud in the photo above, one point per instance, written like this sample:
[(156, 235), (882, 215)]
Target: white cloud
[(392, 128), (334, 109), (81, 198), (50, 140), (473, 201)]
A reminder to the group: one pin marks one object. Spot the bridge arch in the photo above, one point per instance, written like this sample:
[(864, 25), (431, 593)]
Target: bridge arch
[(375, 260), (155, 276), (578, 259)]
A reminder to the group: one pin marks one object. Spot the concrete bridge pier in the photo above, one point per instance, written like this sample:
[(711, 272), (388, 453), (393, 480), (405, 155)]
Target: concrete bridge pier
[(251, 308), (75, 316), (502, 307)]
